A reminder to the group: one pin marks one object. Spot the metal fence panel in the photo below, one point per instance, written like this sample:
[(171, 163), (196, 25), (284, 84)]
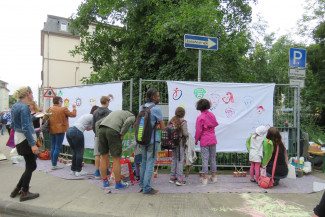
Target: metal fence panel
[(285, 118), (44, 103)]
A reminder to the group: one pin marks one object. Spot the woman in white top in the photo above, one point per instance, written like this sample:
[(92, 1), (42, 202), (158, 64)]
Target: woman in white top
[(76, 139)]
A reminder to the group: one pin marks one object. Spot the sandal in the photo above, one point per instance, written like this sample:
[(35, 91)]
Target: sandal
[(252, 180)]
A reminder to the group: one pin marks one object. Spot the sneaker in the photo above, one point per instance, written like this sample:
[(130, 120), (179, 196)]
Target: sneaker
[(81, 173), (28, 196), (151, 192), (172, 180), (121, 185), (204, 181), (180, 182), (56, 167), (72, 173), (15, 192), (105, 184), (213, 179), (97, 174)]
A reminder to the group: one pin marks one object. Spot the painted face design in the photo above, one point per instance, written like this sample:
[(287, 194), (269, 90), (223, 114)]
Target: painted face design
[(228, 98), (230, 112), (260, 110)]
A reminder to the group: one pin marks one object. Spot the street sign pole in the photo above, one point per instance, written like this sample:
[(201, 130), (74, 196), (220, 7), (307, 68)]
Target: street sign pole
[(200, 42), (199, 66), (297, 74)]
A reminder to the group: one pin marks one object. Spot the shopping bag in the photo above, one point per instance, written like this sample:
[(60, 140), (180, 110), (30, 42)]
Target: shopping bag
[(11, 141), (126, 171)]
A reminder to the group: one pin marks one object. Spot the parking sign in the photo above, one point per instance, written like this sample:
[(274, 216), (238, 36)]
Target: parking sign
[(297, 57)]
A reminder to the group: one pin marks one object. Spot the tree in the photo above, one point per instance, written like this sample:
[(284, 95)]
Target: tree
[(149, 44)]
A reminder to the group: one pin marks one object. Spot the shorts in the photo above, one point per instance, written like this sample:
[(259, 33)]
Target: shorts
[(96, 144), (109, 141)]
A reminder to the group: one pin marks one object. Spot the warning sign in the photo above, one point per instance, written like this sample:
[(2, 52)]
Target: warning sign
[(49, 93)]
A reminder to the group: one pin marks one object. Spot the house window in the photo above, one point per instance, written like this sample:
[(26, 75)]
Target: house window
[(63, 27), (93, 30)]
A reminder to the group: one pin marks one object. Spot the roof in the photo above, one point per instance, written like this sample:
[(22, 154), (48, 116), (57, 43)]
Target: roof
[(53, 25), (3, 85)]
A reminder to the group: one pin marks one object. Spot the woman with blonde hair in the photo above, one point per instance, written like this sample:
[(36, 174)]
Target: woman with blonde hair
[(25, 140)]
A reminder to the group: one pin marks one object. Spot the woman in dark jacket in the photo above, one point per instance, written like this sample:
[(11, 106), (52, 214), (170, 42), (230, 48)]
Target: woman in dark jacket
[(281, 168)]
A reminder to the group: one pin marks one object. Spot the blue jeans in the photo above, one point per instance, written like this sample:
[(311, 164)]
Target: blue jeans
[(147, 165), (56, 144), (76, 141)]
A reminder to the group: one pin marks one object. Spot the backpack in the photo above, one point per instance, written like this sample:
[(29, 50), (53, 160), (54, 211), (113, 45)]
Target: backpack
[(170, 138), (143, 128)]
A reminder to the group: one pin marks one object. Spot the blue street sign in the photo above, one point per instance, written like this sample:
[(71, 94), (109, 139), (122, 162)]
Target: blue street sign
[(200, 42), (297, 57)]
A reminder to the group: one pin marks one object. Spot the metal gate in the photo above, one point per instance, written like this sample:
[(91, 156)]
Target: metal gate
[(286, 117)]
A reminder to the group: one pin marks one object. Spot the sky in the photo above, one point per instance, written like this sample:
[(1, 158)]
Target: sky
[(22, 22)]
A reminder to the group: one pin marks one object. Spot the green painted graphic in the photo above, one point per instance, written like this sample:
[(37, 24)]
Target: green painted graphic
[(199, 93)]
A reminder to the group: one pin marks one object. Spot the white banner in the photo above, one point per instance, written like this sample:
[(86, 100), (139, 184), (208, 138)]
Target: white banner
[(85, 97), (239, 108)]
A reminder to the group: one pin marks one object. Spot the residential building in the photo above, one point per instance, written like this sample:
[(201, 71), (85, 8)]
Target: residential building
[(59, 67), (4, 96)]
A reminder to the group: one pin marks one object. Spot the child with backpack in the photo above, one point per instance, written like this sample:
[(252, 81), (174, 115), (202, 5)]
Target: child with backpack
[(176, 173), (205, 133), (255, 149)]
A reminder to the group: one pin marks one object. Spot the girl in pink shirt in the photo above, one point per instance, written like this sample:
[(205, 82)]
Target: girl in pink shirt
[(205, 133)]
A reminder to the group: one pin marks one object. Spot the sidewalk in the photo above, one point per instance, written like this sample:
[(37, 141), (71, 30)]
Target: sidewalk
[(69, 198)]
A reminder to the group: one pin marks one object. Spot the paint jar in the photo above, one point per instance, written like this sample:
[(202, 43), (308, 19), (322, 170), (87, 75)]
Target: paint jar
[(155, 174), (244, 174), (235, 174)]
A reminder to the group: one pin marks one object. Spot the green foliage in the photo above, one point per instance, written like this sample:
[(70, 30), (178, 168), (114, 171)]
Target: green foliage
[(149, 44), (12, 100)]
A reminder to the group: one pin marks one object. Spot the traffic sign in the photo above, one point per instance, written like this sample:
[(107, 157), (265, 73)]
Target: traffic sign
[(297, 57), (297, 73), (49, 93), (297, 82), (200, 42)]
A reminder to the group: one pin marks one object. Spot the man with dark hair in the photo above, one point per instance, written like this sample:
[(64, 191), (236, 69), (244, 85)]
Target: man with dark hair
[(149, 152), (100, 113)]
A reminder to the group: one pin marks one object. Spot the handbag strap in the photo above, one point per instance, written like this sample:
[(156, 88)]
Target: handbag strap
[(275, 160)]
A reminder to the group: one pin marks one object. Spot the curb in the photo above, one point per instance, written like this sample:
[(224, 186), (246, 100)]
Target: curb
[(26, 210)]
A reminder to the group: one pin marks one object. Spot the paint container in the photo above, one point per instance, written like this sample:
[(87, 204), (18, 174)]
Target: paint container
[(244, 174), (155, 174), (235, 174)]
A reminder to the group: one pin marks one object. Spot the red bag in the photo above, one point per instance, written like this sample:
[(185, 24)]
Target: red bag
[(267, 182), (45, 155)]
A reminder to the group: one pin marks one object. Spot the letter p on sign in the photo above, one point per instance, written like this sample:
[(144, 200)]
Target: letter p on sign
[(297, 58)]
